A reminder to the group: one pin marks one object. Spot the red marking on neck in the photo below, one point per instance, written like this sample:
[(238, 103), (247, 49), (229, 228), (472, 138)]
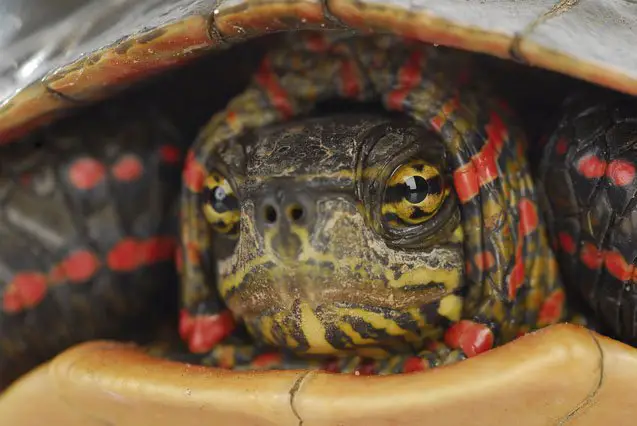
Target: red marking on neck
[(349, 81), (194, 173), (552, 308), (409, 76), (414, 364), (203, 332), (278, 96), (471, 337)]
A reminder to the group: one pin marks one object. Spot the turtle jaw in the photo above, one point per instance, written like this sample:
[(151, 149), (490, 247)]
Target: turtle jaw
[(338, 286)]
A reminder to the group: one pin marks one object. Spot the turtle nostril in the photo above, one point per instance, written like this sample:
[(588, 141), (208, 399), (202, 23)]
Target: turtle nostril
[(270, 214), (296, 212)]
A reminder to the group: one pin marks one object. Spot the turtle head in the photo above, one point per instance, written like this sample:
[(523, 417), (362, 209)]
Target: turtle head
[(337, 234)]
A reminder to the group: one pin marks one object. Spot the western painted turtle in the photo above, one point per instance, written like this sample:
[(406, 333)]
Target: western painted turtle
[(412, 240)]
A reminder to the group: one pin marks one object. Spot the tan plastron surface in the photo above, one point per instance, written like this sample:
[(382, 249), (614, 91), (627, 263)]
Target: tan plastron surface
[(561, 375)]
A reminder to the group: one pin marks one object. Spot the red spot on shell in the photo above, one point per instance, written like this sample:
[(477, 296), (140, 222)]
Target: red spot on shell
[(620, 172), (409, 77), (414, 364), (86, 173), (552, 308), (566, 242), (125, 256), (194, 173), (128, 168), (202, 333), (170, 154), (471, 337), (617, 266), (79, 266), (591, 256), (25, 291), (590, 166), (561, 147), (528, 216)]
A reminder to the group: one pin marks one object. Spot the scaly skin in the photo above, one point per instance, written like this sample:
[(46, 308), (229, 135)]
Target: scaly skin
[(588, 175), (88, 232)]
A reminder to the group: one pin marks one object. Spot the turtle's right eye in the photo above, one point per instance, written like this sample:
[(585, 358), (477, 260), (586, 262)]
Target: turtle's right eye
[(220, 204)]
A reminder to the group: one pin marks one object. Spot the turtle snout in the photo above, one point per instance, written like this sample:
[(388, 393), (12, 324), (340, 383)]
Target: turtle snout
[(284, 219)]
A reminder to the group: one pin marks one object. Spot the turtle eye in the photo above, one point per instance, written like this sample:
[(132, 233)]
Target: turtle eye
[(220, 205), (414, 193)]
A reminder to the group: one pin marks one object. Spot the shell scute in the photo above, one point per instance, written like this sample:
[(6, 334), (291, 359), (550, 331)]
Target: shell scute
[(238, 20), (132, 59)]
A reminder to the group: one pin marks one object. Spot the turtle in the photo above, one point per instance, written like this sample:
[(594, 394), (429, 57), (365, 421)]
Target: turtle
[(427, 200)]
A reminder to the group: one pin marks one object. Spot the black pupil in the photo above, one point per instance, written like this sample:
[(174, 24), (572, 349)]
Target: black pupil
[(218, 199), (416, 189)]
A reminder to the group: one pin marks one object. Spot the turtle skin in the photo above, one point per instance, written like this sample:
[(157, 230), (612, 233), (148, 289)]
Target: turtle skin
[(510, 284), (88, 235), (587, 174)]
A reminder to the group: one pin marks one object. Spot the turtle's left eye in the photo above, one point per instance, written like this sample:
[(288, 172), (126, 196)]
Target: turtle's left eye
[(220, 205), (414, 193)]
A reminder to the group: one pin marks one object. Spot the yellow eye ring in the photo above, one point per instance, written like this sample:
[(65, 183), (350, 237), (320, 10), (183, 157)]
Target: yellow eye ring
[(414, 193), (220, 204)]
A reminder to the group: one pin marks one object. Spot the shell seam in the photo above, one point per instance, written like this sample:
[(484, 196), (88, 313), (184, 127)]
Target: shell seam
[(294, 390), (331, 17), (589, 399), (213, 32), (558, 8), (63, 96)]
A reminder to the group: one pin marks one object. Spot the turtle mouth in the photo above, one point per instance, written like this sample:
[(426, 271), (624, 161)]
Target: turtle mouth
[(319, 295)]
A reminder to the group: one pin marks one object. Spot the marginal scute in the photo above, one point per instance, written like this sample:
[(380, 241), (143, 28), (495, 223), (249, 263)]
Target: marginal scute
[(239, 20), (32, 106), (133, 59)]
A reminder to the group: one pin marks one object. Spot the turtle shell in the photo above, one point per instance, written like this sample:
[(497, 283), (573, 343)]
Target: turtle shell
[(558, 375)]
